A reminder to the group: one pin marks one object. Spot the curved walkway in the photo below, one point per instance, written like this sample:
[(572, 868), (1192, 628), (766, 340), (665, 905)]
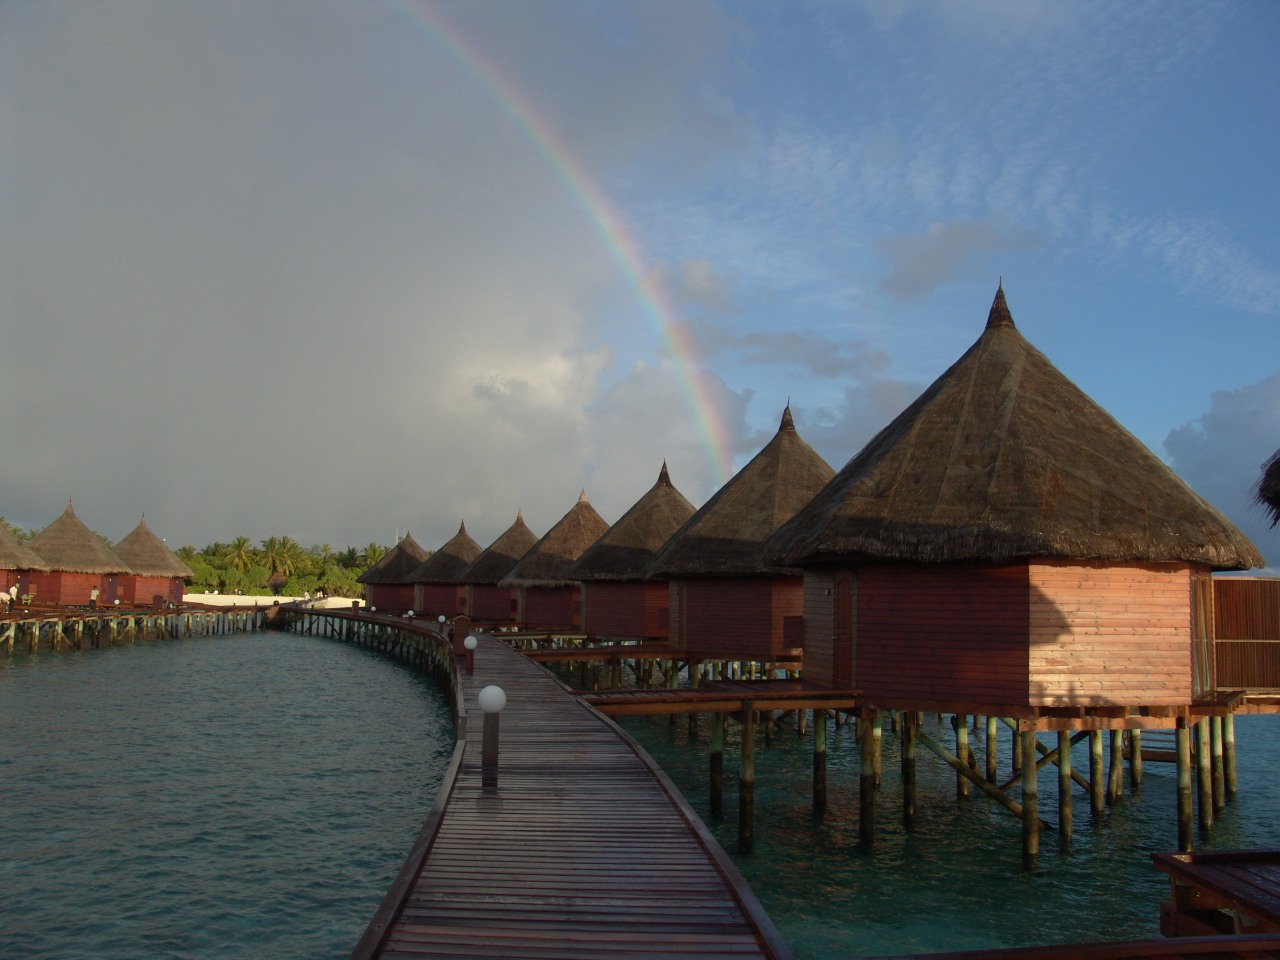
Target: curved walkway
[(584, 850)]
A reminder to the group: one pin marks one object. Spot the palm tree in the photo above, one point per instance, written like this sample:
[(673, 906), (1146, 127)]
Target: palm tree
[(349, 558), (372, 553), (239, 555)]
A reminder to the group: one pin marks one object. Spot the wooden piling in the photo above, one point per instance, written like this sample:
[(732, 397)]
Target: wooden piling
[(1030, 800), (819, 760), (1097, 785), (1064, 786), (1230, 783), (992, 748), (1115, 772), (908, 767), (1204, 776), (1216, 755), (960, 723), (717, 765), (747, 780), (1135, 759), (1182, 740), (867, 781)]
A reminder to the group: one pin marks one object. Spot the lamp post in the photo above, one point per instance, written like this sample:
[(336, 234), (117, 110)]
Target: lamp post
[(492, 699), (471, 643)]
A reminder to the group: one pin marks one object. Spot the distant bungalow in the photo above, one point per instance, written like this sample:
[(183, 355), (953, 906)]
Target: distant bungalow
[(618, 601), (725, 601), (1005, 547), (545, 594), (485, 600), (436, 591), (78, 562), (157, 573), (17, 562), (387, 583)]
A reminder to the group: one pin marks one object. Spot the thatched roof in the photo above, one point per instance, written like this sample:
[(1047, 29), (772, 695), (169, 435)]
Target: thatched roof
[(148, 556), (724, 536), (396, 565), (626, 548), (1269, 487), (500, 556), (15, 554), (445, 564), (1004, 458), (548, 561), (69, 546)]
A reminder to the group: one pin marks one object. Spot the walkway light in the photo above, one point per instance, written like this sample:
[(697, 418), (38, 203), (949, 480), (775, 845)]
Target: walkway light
[(471, 643), (492, 699)]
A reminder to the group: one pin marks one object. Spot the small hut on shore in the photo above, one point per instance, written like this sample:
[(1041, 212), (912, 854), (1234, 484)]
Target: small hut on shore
[(387, 584), (158, 574), (79, 563), (546, 595), (1005, 547), (726, 603), (17, 562), (618, 601), (485, 600), (1269, 488), (436, 591)]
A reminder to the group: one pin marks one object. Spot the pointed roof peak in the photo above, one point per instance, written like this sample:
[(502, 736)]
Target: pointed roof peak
[(582, 497), (787, 423), (1000, 315), (664, 478), (462, 527)]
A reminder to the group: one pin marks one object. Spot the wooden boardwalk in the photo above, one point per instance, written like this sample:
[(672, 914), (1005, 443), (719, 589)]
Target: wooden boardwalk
[(584, 850)]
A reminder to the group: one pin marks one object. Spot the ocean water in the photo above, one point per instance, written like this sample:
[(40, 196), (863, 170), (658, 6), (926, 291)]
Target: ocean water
[(955, 879), (243, 796), (254, 795)]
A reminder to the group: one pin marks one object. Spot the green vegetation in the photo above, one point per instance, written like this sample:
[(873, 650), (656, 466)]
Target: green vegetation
[(278, 566)]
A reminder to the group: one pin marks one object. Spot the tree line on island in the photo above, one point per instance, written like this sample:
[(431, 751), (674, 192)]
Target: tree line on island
[(276, 566)]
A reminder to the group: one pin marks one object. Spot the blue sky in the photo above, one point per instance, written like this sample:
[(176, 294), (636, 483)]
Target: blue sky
[(305, 268)]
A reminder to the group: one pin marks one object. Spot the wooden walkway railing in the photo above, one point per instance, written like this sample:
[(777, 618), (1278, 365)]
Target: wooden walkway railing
[(583, 849)]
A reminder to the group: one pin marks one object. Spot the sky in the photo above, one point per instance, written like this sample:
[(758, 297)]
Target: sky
[(346, 269)]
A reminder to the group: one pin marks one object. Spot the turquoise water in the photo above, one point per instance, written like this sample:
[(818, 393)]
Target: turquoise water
[(955, 880), (242, 796), (254, 795)]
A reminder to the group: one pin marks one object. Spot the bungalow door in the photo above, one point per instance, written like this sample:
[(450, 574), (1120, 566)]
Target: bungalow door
[(842, 639)]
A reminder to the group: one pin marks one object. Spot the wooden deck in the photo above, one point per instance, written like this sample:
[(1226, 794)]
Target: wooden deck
[(1223, 891), (584, 850)]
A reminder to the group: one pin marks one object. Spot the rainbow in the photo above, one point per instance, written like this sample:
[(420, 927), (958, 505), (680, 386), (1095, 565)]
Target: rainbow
[(599, 213)]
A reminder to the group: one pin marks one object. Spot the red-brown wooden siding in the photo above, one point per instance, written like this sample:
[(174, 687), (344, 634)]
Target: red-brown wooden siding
[(739, 618), (1247, 632), (625, 609), (144, 590), (433, 599), (491, 603), (945, 632), (550, 607), (1106, 634), (390, 597), (819, 625)]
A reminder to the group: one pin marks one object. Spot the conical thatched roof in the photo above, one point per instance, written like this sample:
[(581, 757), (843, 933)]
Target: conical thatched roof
[(15, 554), (626, 548), (725, 535), (1269, 487), (394, 568), (68, 545), (548, 561), (500, 556), (445, 564), (1004, 458), (148, 556)]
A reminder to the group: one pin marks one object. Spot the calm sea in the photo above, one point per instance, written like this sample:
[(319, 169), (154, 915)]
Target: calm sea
[(242, 796), (254, 795)]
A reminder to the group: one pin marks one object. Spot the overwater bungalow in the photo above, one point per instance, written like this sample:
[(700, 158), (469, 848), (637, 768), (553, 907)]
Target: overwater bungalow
[(17, 562), (387, 584), (436, 591), (79, 562), (726, 602), (158, 574), (484, 599), (546, 595), (1005, 546), (618, 601)]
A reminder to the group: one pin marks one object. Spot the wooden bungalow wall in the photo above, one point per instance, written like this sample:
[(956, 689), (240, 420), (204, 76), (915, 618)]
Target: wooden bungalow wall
[(634, 609), (735, 618), (144, 590), (558, 607), (71, 589), (1106, 634), (433, 599), (491, 603), (390, 597), (1246, 612)]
